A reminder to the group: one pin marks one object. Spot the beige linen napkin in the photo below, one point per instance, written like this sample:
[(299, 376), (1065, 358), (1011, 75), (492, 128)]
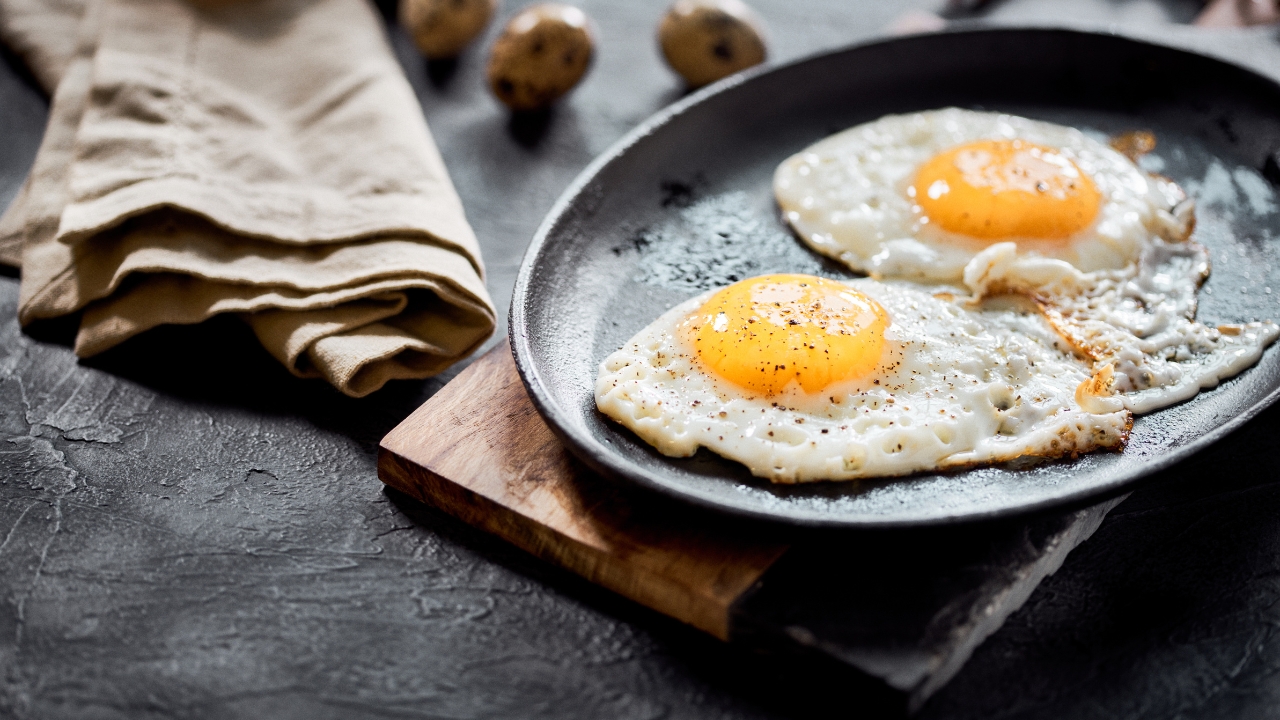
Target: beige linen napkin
[(262, 157)]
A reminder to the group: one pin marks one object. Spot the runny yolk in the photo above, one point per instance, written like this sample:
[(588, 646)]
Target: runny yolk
[(1001, 189), (765, 332)]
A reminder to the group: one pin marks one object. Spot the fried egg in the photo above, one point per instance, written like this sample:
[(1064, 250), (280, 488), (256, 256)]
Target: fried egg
[(1136, 326), (802, 378), (919, 195)]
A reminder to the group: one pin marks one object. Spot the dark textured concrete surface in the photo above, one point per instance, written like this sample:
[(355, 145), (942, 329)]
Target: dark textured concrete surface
[(187, 530), (1170, 611)]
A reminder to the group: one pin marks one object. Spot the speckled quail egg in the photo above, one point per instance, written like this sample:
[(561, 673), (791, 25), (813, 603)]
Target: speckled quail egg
[(443, 28), (542, 53), (706, 40)]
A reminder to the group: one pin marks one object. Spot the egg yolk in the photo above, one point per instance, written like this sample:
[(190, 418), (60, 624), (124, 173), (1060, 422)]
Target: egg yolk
[(1001, 189), (765, 332)]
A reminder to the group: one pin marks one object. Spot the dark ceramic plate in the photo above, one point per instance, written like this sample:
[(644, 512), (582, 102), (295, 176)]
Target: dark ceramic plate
[(684, 203)]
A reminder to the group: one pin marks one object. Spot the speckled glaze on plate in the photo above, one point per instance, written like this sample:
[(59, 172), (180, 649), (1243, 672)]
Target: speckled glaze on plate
[(684, 203)]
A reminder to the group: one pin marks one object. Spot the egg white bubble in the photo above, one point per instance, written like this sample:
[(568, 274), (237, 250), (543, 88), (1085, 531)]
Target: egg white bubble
[(956, 387), (847, 196)]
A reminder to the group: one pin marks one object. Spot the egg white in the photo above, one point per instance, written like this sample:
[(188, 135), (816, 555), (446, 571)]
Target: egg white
[(847, 196), (1140, 321), (956, 387)]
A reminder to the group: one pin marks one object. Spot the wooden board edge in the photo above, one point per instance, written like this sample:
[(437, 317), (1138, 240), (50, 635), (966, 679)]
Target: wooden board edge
[(650, 589), (401, 439)]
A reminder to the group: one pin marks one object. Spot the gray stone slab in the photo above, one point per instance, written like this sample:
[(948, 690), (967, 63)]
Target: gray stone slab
[(908, 608)]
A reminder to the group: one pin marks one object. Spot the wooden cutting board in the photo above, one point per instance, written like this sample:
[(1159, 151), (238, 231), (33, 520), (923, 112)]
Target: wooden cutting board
[(479, 451), (904, 608)]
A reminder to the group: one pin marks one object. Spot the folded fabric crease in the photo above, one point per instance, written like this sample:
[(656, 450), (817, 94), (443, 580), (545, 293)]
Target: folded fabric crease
[(263, 158)]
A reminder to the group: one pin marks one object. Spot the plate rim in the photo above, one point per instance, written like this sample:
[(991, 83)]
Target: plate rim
[(599, 458)]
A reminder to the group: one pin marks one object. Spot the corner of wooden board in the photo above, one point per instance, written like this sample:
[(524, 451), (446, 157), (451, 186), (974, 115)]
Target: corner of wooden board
[(479, 451)]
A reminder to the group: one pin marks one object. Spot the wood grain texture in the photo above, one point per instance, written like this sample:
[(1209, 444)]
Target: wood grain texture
[(479, 451)]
